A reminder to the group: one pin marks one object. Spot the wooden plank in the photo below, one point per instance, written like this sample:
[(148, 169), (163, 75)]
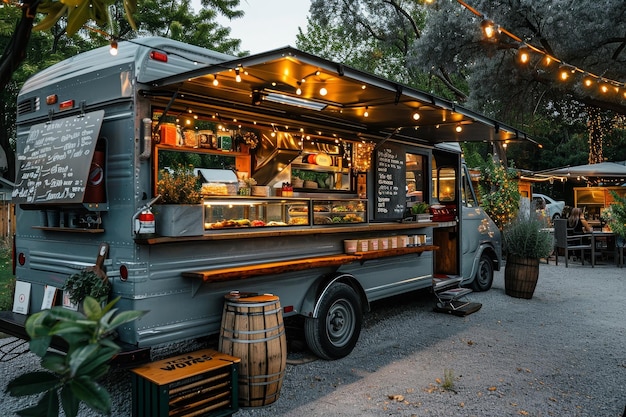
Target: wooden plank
[(269, 268), (247, 271)]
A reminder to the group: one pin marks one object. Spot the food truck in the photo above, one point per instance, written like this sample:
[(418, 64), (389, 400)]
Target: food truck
[(318, 212)]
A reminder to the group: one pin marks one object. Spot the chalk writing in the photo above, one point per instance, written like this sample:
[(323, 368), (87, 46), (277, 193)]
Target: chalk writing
[(54, 160)]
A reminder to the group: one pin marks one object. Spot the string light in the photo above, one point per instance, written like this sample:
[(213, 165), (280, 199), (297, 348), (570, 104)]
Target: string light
[(113, 50), (491, 31)]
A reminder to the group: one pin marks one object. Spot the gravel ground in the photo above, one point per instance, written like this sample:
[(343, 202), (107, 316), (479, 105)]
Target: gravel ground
[(562, 353)]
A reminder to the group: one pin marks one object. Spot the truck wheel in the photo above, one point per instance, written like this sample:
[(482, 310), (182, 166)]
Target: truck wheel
[(335, 332), (484, 276)]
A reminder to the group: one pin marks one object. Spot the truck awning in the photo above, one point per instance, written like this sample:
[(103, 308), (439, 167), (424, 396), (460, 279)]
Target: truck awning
[(285, 86)]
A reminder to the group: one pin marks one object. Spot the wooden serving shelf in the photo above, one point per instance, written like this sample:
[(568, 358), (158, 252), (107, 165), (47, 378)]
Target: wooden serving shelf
[(269, 268)]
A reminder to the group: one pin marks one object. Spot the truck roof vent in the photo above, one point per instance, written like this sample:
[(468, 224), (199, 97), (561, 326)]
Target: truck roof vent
[(30, 105)]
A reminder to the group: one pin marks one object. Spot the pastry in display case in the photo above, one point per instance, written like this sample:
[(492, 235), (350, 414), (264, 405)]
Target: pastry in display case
[(235, 212), (339, 211)]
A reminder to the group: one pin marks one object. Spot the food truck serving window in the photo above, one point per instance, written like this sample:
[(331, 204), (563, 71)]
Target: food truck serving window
[(55, 159)]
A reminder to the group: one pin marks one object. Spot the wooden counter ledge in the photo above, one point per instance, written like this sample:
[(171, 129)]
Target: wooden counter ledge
[(271, 268)]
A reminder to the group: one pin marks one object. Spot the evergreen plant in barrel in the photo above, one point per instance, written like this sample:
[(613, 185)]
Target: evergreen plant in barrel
[(525, 241)]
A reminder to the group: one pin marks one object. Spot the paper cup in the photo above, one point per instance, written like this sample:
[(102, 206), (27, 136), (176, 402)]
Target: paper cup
[(350, 246), (383, 244), (403, 241), (393, 242), (363, 245), (373, 245)]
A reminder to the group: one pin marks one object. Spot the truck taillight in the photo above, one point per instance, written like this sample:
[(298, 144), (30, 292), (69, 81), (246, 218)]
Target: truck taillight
[(123, 273), (158, 56), (67, 104), (21, 259)]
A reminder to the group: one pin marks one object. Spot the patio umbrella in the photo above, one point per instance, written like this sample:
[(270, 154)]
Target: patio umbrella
[(602, 170)]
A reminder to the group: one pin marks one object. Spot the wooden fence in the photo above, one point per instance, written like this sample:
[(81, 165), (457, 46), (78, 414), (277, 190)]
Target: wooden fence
[(7, 219)]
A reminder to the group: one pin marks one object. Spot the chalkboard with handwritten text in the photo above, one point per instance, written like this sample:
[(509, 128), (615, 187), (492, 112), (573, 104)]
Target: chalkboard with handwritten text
[(390, 182), (53, 162)]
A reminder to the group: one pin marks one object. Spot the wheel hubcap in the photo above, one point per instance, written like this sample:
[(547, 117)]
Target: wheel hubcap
[(340, 323)]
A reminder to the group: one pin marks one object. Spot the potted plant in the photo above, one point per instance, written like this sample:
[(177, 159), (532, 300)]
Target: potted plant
[(87, 283), (71, 378), (179, 212), (526, 241), (421, 211)]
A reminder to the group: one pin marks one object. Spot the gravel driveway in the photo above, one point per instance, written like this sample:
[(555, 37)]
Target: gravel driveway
[(562, 353)]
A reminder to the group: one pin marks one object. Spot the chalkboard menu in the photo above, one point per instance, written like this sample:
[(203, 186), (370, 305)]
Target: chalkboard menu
[(390, 182), (53, 162)]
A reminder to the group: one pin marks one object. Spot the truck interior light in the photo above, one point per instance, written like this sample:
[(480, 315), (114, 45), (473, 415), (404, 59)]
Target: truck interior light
[(416, 116), (294, 101), (323, 91)]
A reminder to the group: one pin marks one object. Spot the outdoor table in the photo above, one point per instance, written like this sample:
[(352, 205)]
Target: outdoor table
[(610, 239)]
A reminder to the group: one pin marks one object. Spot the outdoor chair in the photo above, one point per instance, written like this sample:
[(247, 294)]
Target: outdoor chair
[(568, 242)]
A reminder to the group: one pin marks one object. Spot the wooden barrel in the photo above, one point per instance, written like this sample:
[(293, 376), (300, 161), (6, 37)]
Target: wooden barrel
[(253, 330), (520, 276)]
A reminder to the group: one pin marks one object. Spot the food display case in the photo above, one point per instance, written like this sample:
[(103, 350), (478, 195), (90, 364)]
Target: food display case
[(339, 211), (239, 212)]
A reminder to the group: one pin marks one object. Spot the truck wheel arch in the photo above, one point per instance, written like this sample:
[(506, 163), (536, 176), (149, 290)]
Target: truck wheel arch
[(311, 301), (486, 262)]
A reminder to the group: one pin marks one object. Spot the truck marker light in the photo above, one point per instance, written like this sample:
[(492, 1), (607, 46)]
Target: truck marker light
[(287, 309), (123, 273), (21, 259), (52, 99), (68, 104), (158, 56)]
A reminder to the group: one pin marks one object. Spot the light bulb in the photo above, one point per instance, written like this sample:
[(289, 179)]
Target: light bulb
[(237, 75), (113, 50), (323, 91), (366, 113), (215, 82), (416, 116)]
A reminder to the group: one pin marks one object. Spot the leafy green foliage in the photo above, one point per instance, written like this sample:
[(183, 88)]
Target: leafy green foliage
[(615, 215), (526, 237), (72, 376), (179, 186), (420, 208), (499, 192), (86, 283)]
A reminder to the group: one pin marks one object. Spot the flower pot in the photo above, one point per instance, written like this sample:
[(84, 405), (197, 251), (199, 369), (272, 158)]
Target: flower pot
[(174, 220), (520, 276), (244, 148)]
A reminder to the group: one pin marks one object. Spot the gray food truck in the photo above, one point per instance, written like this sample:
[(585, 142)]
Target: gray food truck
[(339, 158)]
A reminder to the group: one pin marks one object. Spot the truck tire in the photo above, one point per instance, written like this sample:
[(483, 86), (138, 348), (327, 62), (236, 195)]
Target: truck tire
[(334, 333), (484, 276)]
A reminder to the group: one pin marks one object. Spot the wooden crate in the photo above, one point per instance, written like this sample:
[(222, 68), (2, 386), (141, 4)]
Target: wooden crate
[(201, 383)]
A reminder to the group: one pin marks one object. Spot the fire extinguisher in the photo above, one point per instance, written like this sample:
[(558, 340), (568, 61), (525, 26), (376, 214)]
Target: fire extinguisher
[(144, 224)]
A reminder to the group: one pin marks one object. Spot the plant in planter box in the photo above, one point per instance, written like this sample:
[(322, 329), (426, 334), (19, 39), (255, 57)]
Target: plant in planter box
[(179, 186), (72, 375), (179, 212), (525, 242)]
